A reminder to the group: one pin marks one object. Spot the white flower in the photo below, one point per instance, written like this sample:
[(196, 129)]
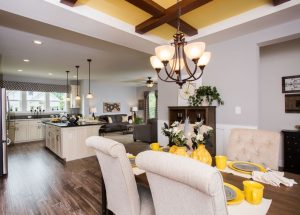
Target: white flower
[(199, 137), (175, 124), (204, 129)]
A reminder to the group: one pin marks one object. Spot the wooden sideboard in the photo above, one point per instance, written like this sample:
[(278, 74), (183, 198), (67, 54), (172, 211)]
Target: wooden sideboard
[(291, 140), (207, 113)]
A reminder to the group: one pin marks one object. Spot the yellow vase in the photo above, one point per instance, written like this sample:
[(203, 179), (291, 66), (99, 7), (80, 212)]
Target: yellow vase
[(173, 149), (201, 154), (178, 151)]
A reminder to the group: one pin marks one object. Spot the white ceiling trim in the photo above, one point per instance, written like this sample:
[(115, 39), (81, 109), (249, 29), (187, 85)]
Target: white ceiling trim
[(243, 18), (107, 20), (63, 18)]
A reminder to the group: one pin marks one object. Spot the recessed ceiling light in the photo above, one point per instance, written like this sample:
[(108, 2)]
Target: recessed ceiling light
[(50, 73), (26, 60), (37, 42), (20, 70)]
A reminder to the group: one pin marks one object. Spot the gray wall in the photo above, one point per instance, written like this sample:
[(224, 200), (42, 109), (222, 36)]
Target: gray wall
[(234, 70), (276, 61), (108, 92)]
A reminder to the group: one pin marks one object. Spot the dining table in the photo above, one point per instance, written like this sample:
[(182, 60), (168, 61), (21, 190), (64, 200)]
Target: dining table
[(285, 200)]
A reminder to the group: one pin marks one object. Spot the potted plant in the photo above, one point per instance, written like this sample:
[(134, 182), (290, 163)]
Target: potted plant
[(206, 94)]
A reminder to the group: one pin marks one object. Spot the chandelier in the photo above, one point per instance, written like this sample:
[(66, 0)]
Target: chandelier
[(173, 58)]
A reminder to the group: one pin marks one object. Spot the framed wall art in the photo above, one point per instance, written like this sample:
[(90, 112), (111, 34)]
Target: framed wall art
[(291, 84), (111, 107), (292, 103)]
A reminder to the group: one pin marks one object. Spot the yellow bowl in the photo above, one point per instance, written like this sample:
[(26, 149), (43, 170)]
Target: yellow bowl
[(239, 195)]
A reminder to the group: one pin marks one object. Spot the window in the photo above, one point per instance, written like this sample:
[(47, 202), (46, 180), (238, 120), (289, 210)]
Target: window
[(57, 101), (152, 105), (35, 101), (15, 100)]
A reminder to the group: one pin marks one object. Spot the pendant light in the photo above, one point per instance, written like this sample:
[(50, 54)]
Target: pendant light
[(89, 95), (77, 96), (68, 97)]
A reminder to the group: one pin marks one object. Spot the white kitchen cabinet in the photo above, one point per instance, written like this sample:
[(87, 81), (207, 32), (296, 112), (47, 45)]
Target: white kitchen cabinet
[(21, 132), (53, 139), (27, 130)]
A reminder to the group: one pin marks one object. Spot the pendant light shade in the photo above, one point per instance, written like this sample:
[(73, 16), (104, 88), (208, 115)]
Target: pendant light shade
[(89, 95), (77, 96), (68, 97)]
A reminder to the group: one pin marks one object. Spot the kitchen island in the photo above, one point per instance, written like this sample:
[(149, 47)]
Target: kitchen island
[(68, 141)]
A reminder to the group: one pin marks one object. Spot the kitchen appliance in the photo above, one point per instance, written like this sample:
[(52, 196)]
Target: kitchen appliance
[(3, 129)]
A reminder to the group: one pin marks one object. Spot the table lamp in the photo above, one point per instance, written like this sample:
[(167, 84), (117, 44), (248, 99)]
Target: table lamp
[(134, 110), (93, 110)]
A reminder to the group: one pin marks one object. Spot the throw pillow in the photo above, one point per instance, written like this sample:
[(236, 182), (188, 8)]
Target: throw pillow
[(109, 119), (124, 118)]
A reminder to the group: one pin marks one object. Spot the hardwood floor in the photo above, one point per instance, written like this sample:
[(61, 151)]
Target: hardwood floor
[(37, 183)]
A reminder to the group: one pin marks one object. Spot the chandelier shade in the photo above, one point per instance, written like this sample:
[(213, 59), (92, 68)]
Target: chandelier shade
[(194, 50), (204, 60), (165, 53), (156, 63)]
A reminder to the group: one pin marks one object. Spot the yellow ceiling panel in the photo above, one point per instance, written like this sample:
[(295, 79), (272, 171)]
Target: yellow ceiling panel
[(210, 13), (119, 9), (218, 10)]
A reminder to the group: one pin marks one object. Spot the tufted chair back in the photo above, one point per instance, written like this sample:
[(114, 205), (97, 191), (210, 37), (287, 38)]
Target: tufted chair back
[(121, 189), (255, 146), (181, 185)]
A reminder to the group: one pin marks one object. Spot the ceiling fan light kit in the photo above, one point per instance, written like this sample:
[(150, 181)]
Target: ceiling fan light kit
[(149, 82)]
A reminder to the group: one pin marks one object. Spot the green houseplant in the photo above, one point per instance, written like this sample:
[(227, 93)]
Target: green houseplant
[(205, 93)]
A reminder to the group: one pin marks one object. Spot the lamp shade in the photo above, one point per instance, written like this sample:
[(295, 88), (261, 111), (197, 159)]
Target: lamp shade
[(93, 110), (134, 109), (177, 66), (156, 63), (165, 53), (89, 96), (204, 59), (194, 50), (77, 98)]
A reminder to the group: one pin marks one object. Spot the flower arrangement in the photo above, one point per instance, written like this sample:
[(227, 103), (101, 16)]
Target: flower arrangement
[(201, 134), (175, 134)]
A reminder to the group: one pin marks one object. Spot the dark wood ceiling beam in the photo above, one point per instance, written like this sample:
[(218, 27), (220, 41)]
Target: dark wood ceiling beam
[(157, 11), (68, 2), (170, 15), (149, 6), (278, 2), (184, 27)]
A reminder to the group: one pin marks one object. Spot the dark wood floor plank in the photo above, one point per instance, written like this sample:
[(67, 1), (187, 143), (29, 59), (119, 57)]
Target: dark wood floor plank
[(39, 184)]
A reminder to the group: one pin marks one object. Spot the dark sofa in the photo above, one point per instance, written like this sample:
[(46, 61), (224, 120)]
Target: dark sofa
[(146, 132), (116, 125)]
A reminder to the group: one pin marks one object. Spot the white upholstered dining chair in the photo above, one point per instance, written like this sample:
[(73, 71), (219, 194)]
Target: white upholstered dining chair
[(181, 185), (124, 196), (254, 145)]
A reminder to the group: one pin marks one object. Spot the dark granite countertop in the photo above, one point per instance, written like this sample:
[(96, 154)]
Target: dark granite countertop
[(68, 124)]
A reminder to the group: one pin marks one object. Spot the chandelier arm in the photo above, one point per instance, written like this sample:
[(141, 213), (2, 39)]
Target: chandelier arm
[(191, 74), (198, 76), (170, 74), (165, 80)]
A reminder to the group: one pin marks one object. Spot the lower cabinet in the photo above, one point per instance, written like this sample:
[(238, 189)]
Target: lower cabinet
[(53, 139), (27, 130)]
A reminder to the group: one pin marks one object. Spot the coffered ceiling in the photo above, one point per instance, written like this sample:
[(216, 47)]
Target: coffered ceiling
[(104, 30)]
